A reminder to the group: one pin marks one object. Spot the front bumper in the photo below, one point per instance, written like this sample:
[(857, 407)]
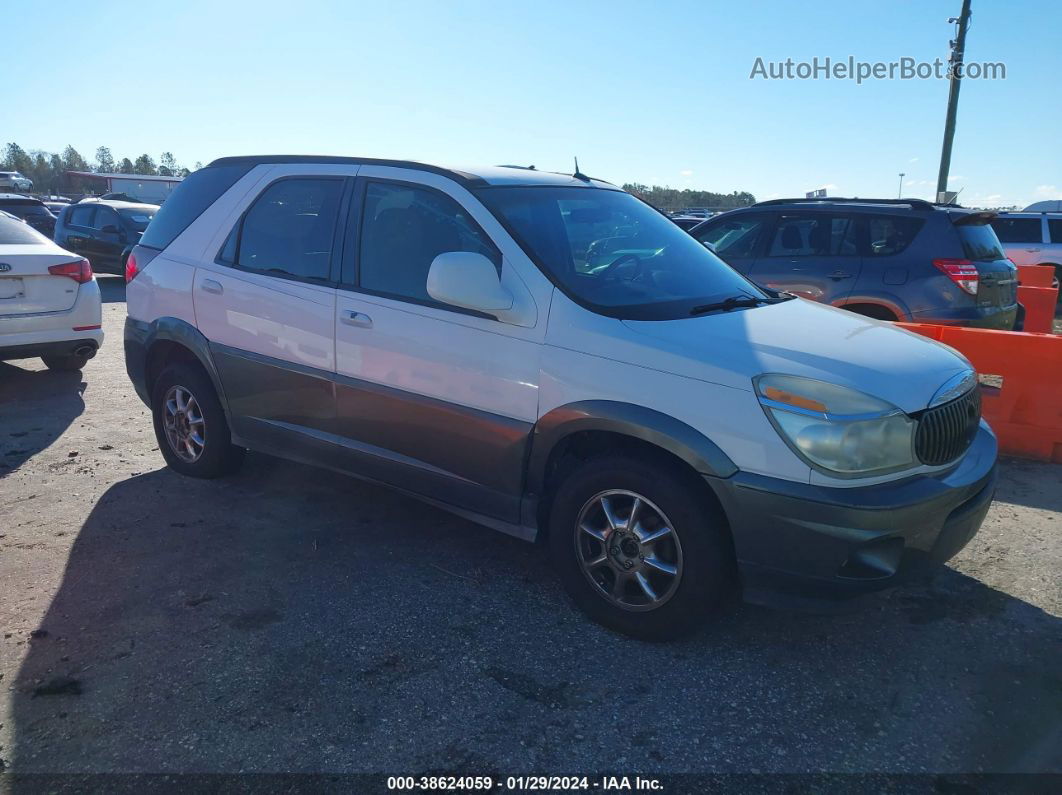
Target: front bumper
[(797, 541)]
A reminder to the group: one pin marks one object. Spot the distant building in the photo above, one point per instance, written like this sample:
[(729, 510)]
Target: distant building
[(149, 188)]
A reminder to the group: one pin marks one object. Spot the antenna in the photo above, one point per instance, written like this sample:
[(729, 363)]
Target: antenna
[(578, 175)]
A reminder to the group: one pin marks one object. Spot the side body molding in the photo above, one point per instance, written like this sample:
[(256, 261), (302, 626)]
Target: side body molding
[(628, 419), (140, 336)]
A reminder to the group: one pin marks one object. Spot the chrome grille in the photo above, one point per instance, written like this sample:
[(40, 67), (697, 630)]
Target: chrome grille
[(944, 432)]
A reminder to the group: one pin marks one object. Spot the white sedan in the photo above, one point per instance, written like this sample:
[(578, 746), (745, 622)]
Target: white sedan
[(49, 300)]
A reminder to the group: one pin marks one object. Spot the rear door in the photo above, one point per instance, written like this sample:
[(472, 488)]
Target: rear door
[(266, 303), (26, 286), (1022, 238), (78, 229), (103, 246), (736, 238), (811, 254)]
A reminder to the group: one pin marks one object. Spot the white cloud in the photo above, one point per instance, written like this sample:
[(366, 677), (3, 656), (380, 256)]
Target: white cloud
[(1047, 192), (686, 172), (913, 160), (954, 176), (993, 197)]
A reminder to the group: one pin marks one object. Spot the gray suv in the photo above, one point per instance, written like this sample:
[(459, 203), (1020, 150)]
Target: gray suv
[(889, 259), (1031, 238)]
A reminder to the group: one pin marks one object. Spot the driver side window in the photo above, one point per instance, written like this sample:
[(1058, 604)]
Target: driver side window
[(403, 229)]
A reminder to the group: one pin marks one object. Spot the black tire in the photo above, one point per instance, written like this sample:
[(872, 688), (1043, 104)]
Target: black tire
[(217, 455), (705, 557), (65, 363)]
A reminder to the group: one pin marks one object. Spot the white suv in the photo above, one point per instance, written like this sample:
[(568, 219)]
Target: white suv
[(550, 356), (15, 182), (49, 300)]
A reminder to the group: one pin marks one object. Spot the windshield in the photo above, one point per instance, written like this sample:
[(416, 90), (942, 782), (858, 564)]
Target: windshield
[(614, 253), (137, 219)]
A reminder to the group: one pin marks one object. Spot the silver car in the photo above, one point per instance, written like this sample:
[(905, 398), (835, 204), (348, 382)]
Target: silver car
[(1032, 238), (14, 182)]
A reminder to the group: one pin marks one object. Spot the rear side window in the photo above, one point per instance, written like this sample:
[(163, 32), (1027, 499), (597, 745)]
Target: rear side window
[(81, 215), (188, 201), (735, 237), (813, 236), (290, 228), (404, 228), (1018, 230), (1054, 226), (891, 234), (979, 242), (17, 233)]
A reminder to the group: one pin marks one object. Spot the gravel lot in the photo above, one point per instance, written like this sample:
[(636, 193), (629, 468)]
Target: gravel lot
[(293, 619)]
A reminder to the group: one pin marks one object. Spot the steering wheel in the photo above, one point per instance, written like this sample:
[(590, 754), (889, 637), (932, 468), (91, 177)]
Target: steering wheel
[(609, 270)]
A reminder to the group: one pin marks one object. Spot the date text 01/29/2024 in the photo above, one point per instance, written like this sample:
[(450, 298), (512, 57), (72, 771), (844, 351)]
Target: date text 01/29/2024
[(523, 783)]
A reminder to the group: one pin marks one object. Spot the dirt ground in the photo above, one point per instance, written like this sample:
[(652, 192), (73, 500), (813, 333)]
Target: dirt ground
[(292, 619)]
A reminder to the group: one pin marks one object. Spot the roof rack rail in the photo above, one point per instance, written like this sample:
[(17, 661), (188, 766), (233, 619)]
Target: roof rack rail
[(920, 204)]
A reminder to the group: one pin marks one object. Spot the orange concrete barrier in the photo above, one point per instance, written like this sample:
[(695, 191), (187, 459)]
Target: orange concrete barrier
[(1025, 411), (1036, 275), (1039, 303)]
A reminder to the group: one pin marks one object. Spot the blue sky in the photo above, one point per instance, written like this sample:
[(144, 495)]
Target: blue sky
[(651, 92)]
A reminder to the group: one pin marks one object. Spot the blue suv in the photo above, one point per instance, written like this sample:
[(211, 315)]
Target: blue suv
[(889, 259)]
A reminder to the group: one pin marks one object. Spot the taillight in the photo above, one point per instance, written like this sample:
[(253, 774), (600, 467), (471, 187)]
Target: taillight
[(961, 271), (131, 268), (79, 270)]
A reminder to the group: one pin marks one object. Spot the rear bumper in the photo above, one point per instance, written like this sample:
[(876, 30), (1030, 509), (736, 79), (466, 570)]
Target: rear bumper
[(54, 333), (1002, 318), (136, 344), (797, 541)]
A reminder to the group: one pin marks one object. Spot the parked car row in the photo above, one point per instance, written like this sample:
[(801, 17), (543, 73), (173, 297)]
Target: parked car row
[(549, 356), (901, 259), (1032, 238)]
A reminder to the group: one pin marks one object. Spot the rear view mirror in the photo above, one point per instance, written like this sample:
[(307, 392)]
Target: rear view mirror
[(468, 280)]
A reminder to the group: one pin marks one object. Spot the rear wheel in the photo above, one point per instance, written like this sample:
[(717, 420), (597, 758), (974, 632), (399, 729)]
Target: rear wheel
[(190, 425), (71, 362), (638, 547)]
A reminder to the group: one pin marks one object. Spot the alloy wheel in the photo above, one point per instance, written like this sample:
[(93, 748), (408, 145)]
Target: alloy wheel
[(628, 550), (183, 422)]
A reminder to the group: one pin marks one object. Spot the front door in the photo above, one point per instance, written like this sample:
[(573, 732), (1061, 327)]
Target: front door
[(736, 238), (813, 255), (434, 399)]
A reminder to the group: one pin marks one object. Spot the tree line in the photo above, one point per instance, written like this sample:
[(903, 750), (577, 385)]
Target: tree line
[(670, 199), (47, 169)]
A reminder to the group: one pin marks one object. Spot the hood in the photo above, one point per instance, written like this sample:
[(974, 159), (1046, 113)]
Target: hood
[(800, 337)]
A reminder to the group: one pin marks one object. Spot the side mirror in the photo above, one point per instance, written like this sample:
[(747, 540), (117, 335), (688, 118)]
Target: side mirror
[(468, 280), (708, 246)]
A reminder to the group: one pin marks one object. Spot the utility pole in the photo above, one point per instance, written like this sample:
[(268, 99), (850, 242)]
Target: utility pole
[(955, 65), (899, 191)]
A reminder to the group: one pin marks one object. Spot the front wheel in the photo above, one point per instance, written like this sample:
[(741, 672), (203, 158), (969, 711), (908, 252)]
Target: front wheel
[(640, 547), (190, 425)]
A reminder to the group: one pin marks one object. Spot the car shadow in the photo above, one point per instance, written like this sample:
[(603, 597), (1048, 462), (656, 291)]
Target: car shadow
[(291, 619), (112, 288), (36, 406), (1034, 484)]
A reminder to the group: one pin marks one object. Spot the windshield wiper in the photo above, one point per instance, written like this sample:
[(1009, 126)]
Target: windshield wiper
[(734, 302)]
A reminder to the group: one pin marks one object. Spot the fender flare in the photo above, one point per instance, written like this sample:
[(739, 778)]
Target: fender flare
[(628, 419), (168, 329)]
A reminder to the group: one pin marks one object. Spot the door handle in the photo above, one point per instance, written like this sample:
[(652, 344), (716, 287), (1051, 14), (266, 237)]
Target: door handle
[(359, 319), (211, 286), (838, 275)]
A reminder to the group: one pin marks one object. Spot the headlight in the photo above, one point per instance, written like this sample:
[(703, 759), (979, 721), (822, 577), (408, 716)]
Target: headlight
[(837, 429)]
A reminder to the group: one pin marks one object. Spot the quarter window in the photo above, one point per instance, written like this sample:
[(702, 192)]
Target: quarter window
[(1018, 230), (813, 236), (891, 234), (1054, 226), (404, 228), (290, 228)]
